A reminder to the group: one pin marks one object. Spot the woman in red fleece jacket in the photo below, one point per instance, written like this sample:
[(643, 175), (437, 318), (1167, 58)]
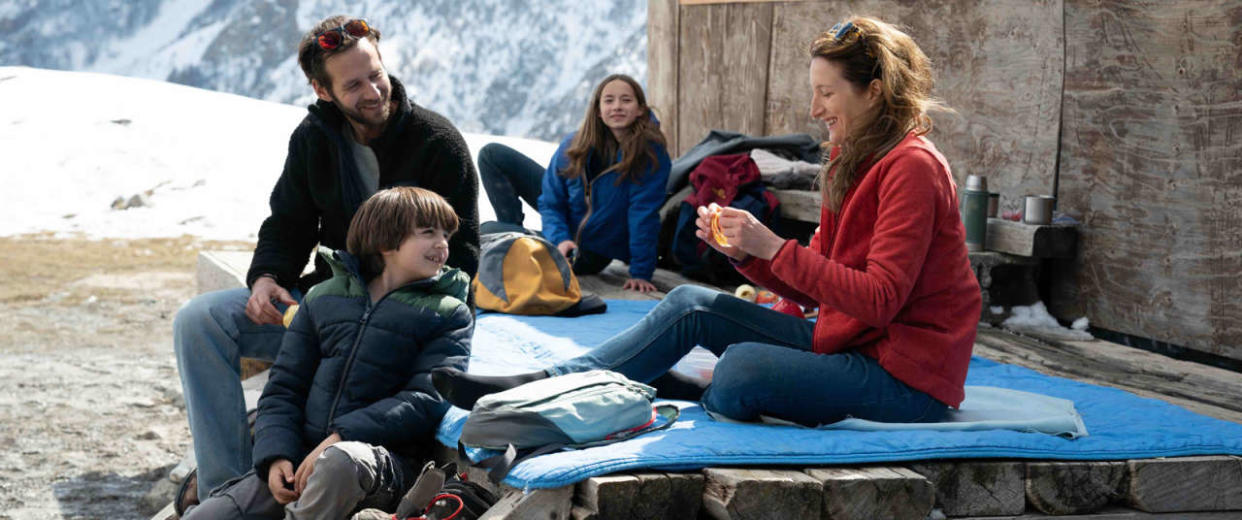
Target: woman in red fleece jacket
[(898, 302)]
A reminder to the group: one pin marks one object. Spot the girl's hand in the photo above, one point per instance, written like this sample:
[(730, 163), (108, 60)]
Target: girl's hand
[(308, 464), (744, 233), (565, 247), (638, 284)]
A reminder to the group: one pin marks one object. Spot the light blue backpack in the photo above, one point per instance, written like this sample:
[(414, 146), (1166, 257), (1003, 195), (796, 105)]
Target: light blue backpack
[(571, 411)]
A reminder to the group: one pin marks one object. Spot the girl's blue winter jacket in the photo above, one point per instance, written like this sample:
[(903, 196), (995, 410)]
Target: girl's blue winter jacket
[(622, 221)]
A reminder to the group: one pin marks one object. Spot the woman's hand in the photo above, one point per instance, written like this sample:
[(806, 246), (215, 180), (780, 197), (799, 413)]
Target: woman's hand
[(308, 464), (745, 234), (704, 232), (638, 284), (279, 478), (565, 247)]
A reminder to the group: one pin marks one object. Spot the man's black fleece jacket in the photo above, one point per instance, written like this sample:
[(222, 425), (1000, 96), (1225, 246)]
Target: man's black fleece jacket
[(320, 189)]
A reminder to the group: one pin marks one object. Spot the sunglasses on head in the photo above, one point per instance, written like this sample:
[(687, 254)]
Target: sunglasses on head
[(844, 30), (334, 37)]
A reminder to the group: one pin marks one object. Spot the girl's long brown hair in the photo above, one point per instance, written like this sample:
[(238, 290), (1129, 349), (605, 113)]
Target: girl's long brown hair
[(594, 135), (874, 50)]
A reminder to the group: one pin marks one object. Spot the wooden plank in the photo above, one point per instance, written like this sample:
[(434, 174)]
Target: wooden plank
[(1117, 513), (802, 205), (662, 33), (722, 77), (606, 497), (1066, 488), (705, 2), (969, 487), (219, 270), (1200, 388), (1017, 238), (865, 493), (686, 494), (608, 283), (737, 493), (1206, 483), (1150, 157), (999, 64), (653, 496), (544, 504)]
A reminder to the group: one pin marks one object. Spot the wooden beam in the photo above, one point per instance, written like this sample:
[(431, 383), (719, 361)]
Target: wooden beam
[(606, 497), (1017, 238), (801, 205), (662, 66), (737, 493), (1116, 513), (864, 493), (652, 496), (705, 2), (1066, 488), (544, 504), (1206, 483), (976, 488), (1200, 388)]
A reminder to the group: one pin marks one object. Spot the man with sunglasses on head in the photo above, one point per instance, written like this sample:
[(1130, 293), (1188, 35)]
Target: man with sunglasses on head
[(362, 134)]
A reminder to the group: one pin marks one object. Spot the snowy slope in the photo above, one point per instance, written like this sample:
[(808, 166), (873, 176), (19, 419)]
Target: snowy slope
[(208, 159), (505, 67)]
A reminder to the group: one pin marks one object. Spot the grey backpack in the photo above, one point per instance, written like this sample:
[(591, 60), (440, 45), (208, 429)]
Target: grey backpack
[(571, 411)]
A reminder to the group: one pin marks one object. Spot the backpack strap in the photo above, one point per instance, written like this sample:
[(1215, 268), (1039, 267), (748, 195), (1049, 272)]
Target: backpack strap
[(498, 466)]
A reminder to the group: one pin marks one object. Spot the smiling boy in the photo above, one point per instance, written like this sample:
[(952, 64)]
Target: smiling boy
[(349, 410)]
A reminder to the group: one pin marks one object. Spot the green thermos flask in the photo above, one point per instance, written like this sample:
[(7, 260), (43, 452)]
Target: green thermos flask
[(975, 212)]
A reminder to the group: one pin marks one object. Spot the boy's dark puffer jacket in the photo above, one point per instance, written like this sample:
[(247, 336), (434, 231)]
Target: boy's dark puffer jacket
[(363, 370)]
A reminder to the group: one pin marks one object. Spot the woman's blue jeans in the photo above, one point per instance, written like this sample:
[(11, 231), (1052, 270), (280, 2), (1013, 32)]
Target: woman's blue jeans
[(766, 363)]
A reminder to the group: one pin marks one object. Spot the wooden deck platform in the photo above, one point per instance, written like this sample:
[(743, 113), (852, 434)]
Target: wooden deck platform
[(1195, 488)]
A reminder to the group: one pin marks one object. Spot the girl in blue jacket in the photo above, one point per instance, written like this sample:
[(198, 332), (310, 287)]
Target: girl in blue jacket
[(600, 197)]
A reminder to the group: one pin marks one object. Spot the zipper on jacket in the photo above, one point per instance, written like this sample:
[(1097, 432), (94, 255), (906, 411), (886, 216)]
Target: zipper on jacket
[(349, 363)]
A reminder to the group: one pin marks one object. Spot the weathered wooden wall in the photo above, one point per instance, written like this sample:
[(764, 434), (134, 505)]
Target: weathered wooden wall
[(998, 64), (723, 66), (1148, 93), (1152, 161)]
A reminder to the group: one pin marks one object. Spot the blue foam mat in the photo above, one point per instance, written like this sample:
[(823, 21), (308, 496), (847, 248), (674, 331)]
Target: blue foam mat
[(1122, 425)]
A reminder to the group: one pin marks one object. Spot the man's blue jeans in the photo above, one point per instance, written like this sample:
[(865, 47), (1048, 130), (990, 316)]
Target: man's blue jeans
[(766, 364), (211, 334)]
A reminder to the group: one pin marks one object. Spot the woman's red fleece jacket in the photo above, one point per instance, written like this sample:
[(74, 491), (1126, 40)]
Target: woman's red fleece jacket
[(889, 273)]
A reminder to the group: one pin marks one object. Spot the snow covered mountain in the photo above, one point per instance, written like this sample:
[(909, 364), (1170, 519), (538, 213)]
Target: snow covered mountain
[(152, 160), (505, 67)]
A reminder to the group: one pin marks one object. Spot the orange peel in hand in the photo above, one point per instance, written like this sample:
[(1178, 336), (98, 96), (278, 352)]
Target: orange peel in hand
[(717, 234)]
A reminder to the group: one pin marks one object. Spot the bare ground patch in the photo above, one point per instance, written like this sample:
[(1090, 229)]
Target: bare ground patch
[(91, 415)]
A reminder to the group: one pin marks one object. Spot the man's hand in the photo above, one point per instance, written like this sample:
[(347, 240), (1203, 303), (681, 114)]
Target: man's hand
[(640, 285), (565, 247), (308, 464), (259, 307), (279, 478)]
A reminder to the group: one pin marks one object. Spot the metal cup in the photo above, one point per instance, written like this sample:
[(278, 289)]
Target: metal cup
[(1038, 209)]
